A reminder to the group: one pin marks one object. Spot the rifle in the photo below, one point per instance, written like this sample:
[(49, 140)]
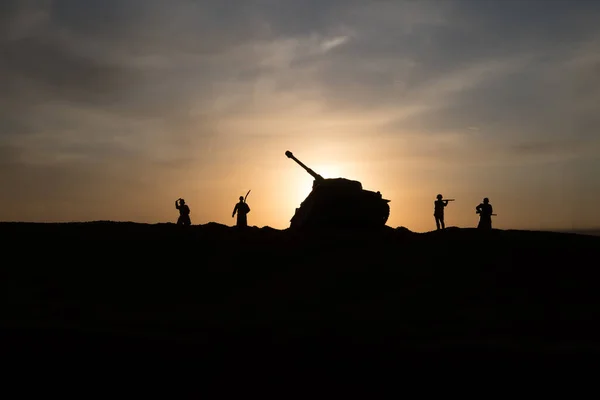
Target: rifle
[(448, 200), (246, 195), (479, 212)]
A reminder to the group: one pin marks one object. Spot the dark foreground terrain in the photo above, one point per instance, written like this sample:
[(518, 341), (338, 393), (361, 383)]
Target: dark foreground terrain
[(235, 299)]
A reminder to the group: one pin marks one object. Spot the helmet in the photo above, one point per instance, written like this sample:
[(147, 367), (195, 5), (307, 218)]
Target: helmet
[(486, 200), (439, 196), (241, 198)]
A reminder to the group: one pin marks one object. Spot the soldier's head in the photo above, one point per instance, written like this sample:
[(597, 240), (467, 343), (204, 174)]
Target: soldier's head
[(181, 201), (241, 198), (486, 200), (439, 196)]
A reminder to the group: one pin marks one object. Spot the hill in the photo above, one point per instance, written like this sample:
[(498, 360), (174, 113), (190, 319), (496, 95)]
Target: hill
[(113, 289), (589, 232)]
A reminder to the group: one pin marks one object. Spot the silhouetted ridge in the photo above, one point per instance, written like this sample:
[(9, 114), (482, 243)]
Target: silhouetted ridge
[(194, 291)]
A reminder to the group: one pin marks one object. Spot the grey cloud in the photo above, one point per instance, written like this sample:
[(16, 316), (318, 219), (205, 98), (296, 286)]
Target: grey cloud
[(539, 147), (146, 60), (9, 156), (47, 66), (151, 26), (80, 54), (43, 63), (503, 100), (362, 72), (530, 112)]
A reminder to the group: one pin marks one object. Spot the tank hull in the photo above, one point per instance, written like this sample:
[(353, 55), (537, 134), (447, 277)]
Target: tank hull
[(341, 203)]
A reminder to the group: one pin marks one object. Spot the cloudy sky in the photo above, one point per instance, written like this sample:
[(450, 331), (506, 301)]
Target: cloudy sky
[(112, 109)]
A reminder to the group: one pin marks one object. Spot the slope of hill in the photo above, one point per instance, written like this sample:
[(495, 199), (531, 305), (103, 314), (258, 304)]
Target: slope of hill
[(125, 288), (589, 232)]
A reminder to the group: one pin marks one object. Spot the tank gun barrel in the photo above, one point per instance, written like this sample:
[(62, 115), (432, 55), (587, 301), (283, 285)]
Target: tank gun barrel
[(310, 171)]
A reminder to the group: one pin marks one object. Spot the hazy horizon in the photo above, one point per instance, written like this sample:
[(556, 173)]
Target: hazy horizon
[(113, 110)]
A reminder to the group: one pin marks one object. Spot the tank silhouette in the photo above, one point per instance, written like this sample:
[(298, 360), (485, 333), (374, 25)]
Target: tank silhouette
[(339, 203)]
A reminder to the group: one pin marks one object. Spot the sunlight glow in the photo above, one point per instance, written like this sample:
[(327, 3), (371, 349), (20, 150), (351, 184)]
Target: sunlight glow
[(207, 120), (329, 171)]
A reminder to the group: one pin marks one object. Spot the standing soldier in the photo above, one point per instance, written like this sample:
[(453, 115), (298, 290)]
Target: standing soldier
[(485, 212), (242, 210), (438, 212), (184, 212)]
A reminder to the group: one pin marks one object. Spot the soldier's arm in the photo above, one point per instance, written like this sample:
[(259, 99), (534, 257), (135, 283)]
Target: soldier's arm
[(176, 205), (234, 210)]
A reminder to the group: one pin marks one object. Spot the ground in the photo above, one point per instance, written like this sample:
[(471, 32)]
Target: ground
[(110, 289)]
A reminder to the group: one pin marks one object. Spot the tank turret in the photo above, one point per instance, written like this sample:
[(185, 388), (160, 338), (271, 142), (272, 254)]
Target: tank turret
[(310, 171), (339, 203)]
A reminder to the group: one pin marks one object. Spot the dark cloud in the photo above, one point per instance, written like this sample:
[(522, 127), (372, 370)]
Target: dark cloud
[(542, 147), (56, 72), (94, 56), (150, 26), (9, 156), (346, 75), (61, 67), (362, 71)]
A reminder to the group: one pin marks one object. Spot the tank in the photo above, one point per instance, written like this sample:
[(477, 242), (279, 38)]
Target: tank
[(339, 203)]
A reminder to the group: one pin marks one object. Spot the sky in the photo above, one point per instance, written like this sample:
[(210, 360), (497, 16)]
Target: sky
[(113, 109)]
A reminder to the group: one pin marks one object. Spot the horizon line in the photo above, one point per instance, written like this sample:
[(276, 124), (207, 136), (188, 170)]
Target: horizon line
[(559, 230)]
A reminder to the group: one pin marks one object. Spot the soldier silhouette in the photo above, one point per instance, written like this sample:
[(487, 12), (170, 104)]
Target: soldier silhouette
[(184, 212), (485, 212), (242, 209), (438, 212)]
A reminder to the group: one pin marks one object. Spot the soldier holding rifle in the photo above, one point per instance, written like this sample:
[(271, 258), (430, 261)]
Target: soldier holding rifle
[(438, 213), (485, 212), (242, 209)]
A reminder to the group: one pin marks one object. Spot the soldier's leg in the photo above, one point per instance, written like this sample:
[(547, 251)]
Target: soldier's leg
[(442, 222), (241, 220), (437, 222), (485, 223)]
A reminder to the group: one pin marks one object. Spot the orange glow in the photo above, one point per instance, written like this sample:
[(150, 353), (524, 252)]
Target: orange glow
[(164, 102)]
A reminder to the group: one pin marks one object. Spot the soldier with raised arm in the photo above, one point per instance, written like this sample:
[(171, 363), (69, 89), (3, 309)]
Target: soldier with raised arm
[(184, 212)]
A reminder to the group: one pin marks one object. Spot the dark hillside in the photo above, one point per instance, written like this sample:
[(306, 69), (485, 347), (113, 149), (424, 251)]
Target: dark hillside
[(163, 291)]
